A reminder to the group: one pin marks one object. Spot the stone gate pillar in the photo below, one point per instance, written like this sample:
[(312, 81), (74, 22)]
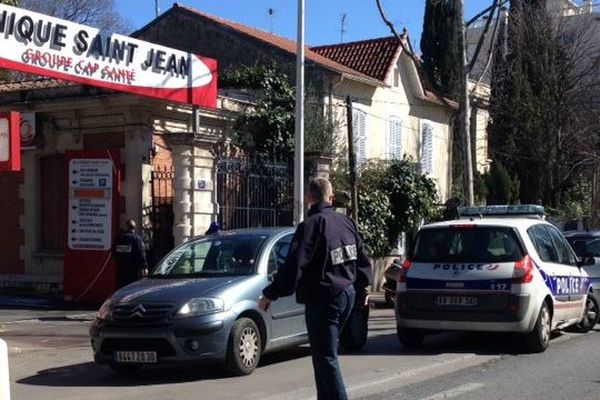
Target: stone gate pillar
[(194, 204)]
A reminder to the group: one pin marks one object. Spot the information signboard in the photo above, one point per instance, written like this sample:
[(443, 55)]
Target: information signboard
[(90, 204)]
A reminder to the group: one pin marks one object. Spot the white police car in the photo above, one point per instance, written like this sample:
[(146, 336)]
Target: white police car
[(513, 272)]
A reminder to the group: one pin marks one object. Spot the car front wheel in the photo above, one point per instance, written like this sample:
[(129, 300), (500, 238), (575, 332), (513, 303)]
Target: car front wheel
[(590, 314), (538, 339), (244, 347)]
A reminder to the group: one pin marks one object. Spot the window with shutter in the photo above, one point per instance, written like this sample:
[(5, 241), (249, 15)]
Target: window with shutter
[(395, 138), (426, 148), (359, 119)]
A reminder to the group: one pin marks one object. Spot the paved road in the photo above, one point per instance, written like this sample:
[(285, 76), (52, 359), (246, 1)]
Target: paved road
[(569, 369), (50, 358)]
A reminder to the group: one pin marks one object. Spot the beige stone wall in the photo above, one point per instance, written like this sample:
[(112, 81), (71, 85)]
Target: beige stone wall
[(382, 103)]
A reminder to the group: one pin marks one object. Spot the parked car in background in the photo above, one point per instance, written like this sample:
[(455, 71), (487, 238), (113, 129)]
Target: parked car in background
[(502, 269), (587, 244), (201, 303)]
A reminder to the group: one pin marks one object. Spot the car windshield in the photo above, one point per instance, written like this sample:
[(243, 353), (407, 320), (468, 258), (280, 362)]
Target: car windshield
[(219, 255), (467, 244), (584, 246)]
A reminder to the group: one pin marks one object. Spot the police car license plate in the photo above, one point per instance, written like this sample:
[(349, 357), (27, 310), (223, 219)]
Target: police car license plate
[(138, 357), (462, 301)]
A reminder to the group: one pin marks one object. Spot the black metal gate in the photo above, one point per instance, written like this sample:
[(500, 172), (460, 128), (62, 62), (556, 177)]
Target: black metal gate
[(162, 212), (255, 191)]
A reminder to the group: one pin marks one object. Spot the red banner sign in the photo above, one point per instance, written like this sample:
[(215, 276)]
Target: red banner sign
[(44, 45), (10, 142)]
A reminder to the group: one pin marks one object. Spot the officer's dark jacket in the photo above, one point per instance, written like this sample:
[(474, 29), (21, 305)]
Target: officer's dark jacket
[(130, 253), (326, 256)]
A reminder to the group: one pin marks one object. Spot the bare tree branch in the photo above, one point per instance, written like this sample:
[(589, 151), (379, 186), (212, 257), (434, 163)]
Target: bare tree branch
[(393, 29), (101, 14), (490, 55), (482, 13), (483, 35)]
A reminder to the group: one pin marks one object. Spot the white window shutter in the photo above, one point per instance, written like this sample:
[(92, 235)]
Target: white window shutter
[(395, 138), (360, 136), (426, 148)]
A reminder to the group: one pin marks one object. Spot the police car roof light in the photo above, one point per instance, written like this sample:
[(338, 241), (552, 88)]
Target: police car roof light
[(529, 210), (523, 272)]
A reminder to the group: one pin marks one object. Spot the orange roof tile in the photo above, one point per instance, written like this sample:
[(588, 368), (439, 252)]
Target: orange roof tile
[(282, 43), (374, 57)]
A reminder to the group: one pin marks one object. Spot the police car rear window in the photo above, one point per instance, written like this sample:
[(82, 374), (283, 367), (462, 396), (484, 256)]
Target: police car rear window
[(467, 244)]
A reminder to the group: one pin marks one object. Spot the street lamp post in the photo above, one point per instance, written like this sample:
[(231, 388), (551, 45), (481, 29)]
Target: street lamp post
[(299, 126)]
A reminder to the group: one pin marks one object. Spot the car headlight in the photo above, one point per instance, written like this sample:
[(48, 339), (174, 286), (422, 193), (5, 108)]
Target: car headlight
[(201, 306), (104, 312)]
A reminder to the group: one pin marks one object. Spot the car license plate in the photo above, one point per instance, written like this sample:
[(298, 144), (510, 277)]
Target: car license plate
[(461, 301), (138, 357)]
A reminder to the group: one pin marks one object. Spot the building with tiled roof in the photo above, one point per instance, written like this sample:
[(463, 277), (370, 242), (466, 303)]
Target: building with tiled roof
[(373, 57), (395, 112)]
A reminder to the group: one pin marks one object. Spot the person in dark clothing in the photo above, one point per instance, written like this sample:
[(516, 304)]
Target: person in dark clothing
[(130, 254), (213, 228), (326, 266)]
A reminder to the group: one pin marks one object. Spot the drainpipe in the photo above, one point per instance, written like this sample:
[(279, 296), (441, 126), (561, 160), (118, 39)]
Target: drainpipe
[(196, 130)]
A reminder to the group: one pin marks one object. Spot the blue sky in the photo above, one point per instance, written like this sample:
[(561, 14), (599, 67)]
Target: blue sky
[(323, 17)]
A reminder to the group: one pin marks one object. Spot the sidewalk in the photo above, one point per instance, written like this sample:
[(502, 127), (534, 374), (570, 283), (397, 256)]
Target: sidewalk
[(29, 323)]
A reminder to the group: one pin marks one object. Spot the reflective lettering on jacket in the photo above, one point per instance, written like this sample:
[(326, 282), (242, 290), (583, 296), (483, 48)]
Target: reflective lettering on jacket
[(343, 254), (123, 248)]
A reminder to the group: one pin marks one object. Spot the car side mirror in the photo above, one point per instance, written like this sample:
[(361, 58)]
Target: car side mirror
[(587, 260)]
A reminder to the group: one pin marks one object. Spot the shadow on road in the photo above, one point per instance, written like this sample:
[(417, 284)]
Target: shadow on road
[(383, 341), (483, 343), (92, 375)]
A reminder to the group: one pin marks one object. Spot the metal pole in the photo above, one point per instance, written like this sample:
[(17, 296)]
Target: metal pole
[(299, 127), (352, 161), (156, 8), (465, 107)]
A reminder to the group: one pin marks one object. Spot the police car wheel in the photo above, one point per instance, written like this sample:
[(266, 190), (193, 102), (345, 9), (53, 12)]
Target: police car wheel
[(410, 338), (590, 314), (243, 348), (539, 338)]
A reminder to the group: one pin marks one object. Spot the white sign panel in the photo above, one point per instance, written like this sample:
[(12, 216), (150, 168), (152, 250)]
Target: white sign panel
[(90, 204), (4, 140), (40, 44)]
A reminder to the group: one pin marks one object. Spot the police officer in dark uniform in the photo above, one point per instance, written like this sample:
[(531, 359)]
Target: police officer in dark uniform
[(130, 253), (326, 267)]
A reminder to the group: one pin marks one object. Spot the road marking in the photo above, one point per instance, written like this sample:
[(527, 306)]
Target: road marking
[(416, 371), (455, 392)]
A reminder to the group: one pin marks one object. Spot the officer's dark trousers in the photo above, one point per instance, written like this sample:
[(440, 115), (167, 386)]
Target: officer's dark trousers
[(325, 317)]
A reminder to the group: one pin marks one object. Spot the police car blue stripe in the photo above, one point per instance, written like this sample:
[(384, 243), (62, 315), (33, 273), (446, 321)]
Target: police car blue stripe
[(565, 284), (479, 284)]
